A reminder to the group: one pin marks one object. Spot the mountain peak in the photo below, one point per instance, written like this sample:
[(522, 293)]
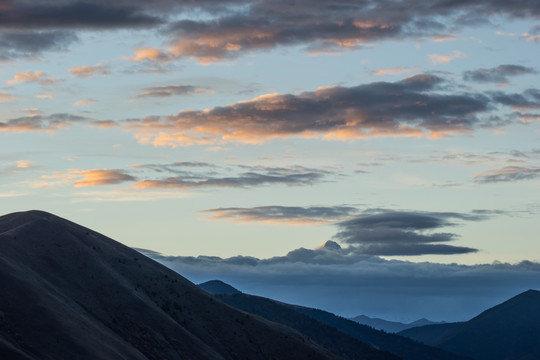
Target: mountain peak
[(218, 287), (331, 245)]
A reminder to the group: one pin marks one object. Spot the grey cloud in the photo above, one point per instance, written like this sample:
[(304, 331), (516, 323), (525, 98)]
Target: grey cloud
[(239, 176), (74, 15), (16, 44), (325, 25), (244, 180), (365, 284), (530, 98), (499, 74), (508, 174), (42, 122), (168, 91), (388, 232), (284, 214)]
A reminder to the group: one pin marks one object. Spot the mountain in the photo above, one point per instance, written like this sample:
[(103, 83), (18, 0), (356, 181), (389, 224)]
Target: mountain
[(328, 337), (218, 287), (339, 335), (68, 292), (390, 326), (508, 331), (399, 345)]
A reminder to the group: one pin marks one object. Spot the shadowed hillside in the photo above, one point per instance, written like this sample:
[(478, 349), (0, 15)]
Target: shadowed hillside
[(509, 331), (71, 293), (337, 334)]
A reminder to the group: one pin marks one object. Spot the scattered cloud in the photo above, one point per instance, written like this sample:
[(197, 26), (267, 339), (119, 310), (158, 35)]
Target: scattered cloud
[(410, 107), (150, 54), (249, 177), (33, 77), (7, 97), (86, 71), (324, 26), (173, 90), (38, 122), (44, 96), (508, 174), (84, 102), (30, 44), (499, 74), (396, 70), (84, 178), (290, 215), (443, 59)]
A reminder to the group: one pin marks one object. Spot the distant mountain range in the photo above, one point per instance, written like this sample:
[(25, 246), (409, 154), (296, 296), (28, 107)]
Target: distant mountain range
[(339, 335), (510, 330), (391, 326)]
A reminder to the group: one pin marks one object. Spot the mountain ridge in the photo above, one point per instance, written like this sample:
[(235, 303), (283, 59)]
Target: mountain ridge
[(70, 292)]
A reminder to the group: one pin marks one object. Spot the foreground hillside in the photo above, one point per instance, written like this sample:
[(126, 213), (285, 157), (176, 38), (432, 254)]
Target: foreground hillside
[(71, 293), (509, 331)]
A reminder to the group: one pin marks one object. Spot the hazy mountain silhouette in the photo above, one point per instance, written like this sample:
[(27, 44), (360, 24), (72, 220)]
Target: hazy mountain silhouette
[(509, 331), (218, 287), (68, 292), (337, 334), (390, 326)]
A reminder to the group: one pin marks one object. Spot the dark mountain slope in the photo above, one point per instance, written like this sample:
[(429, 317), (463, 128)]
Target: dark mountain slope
[(71, 293), (399, 345), (509, 331), (334, 332), (335, 341)]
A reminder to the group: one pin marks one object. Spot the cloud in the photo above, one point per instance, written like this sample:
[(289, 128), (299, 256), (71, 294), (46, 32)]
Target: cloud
[(508, 174), (366, 284), (395, 71), (40, 122), (85, 178), (442, 59), (410, 107), (98, 177), (168, 91), (76, 15), (499, 74), (44, 96), (150, 54), (322, 26), (291, 215), (529, 99), (7, 97), (84, 102), (30, 44), (250, 177), (86, 71), (33, 77), (406, 233)]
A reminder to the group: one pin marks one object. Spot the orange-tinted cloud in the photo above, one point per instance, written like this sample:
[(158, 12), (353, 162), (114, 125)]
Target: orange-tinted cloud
[(395, 71), (98, 177), (411, 107), (88, 71), (6, 97), (443, 59), (36, 76)]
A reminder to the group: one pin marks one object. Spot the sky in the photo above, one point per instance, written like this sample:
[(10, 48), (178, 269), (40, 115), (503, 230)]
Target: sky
[(234, 139)]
